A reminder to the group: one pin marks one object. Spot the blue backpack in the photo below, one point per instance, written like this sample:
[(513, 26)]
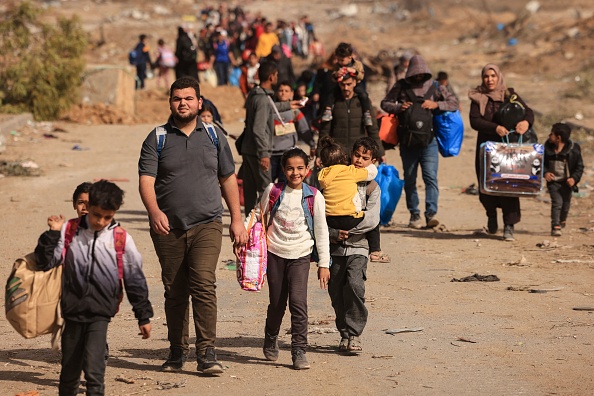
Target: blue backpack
[(134, 57)]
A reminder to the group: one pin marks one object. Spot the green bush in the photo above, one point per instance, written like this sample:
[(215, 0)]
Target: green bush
[(40, 64)]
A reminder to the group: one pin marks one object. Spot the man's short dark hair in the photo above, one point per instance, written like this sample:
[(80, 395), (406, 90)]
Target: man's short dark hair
[(368, 144), (562, 130), (142, 37), (80, 189), (344, 50), (284, 83), (266, 70), (441, 76), (106, 195), (185, 82)]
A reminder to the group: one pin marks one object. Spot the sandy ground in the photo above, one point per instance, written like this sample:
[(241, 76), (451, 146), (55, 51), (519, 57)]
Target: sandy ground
[(477, 338)]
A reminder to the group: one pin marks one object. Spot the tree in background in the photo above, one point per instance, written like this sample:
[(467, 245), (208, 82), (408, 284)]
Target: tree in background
[(41, 65)]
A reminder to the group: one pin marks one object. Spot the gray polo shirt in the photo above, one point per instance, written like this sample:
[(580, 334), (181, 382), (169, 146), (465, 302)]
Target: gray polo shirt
[(187, 174)]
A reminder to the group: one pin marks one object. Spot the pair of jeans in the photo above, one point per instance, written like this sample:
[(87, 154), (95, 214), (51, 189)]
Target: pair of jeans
[(428, 159), (287, 278), (222, 71), (83, 349), (560, 194), (255, 180), (347, 293), (188, 263)]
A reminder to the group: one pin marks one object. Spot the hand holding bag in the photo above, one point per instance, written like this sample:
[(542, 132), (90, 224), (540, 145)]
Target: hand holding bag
[(253, 257)]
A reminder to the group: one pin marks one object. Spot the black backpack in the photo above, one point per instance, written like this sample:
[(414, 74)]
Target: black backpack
[(415, 129)]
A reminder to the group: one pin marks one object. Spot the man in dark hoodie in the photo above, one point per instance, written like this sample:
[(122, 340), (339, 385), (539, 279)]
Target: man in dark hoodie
[(283, 63), (563, 169), (413, 99)]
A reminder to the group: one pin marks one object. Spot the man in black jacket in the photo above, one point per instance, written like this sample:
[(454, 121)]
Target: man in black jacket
[(347, 124)]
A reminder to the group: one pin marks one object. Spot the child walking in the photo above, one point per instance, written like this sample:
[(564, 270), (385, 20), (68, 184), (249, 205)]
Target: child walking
[(365, 152), (349, 250), (563, 169), (339, 184), (90, 248), (297, 234)]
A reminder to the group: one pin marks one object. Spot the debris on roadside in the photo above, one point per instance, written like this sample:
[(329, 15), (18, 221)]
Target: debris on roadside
[(470, 190), (171, 385), (545, 290), (477, 278), (522, 262), (121, 378), (546, 244), (405, 330), (16, 168)]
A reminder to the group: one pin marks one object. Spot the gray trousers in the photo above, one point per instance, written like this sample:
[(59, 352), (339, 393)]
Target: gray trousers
[(347, 293), (560, 202), (255, 180)]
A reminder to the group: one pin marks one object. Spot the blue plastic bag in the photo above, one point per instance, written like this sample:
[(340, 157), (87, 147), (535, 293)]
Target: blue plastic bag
[(449, 132), (234, 77), (391, 186)]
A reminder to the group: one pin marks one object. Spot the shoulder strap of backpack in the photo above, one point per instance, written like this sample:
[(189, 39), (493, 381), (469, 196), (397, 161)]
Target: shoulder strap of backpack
[(119, 242), (71, 228), (161, 133), (212, 134), (274, 200), (311, 200), (412, 96)]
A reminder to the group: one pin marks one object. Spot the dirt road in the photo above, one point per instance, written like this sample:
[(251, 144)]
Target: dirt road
[(476, 338)]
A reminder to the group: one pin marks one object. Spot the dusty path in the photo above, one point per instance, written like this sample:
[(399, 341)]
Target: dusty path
[(520, 342)]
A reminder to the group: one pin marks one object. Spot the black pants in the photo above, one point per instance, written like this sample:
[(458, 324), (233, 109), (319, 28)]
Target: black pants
[(560, 194), (287, 278), (140, 75), (344, 223), (83, 349), (510, 206), (373, 238)]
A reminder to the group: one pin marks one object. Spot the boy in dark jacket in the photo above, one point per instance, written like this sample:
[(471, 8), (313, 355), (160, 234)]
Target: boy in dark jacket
[(563, 168), (97, 254)]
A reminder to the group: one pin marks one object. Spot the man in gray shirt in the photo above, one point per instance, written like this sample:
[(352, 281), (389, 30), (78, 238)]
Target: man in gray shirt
[(256, 148), (184, 167)]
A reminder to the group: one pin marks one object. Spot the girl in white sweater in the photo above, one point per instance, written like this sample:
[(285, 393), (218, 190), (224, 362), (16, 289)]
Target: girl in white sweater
[(297, 234)]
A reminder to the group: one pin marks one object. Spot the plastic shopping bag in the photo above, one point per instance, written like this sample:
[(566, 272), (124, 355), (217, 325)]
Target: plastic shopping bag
[(391, 186), (253, 257), (449, 132)]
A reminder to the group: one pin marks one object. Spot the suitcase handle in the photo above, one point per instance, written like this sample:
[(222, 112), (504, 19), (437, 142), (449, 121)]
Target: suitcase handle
[(505, 139)]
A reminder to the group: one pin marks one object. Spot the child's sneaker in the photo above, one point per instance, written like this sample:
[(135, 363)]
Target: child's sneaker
[(367, 118), (270, 348), (327, 115), (556, 231), (299, 360), (563, 224)]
